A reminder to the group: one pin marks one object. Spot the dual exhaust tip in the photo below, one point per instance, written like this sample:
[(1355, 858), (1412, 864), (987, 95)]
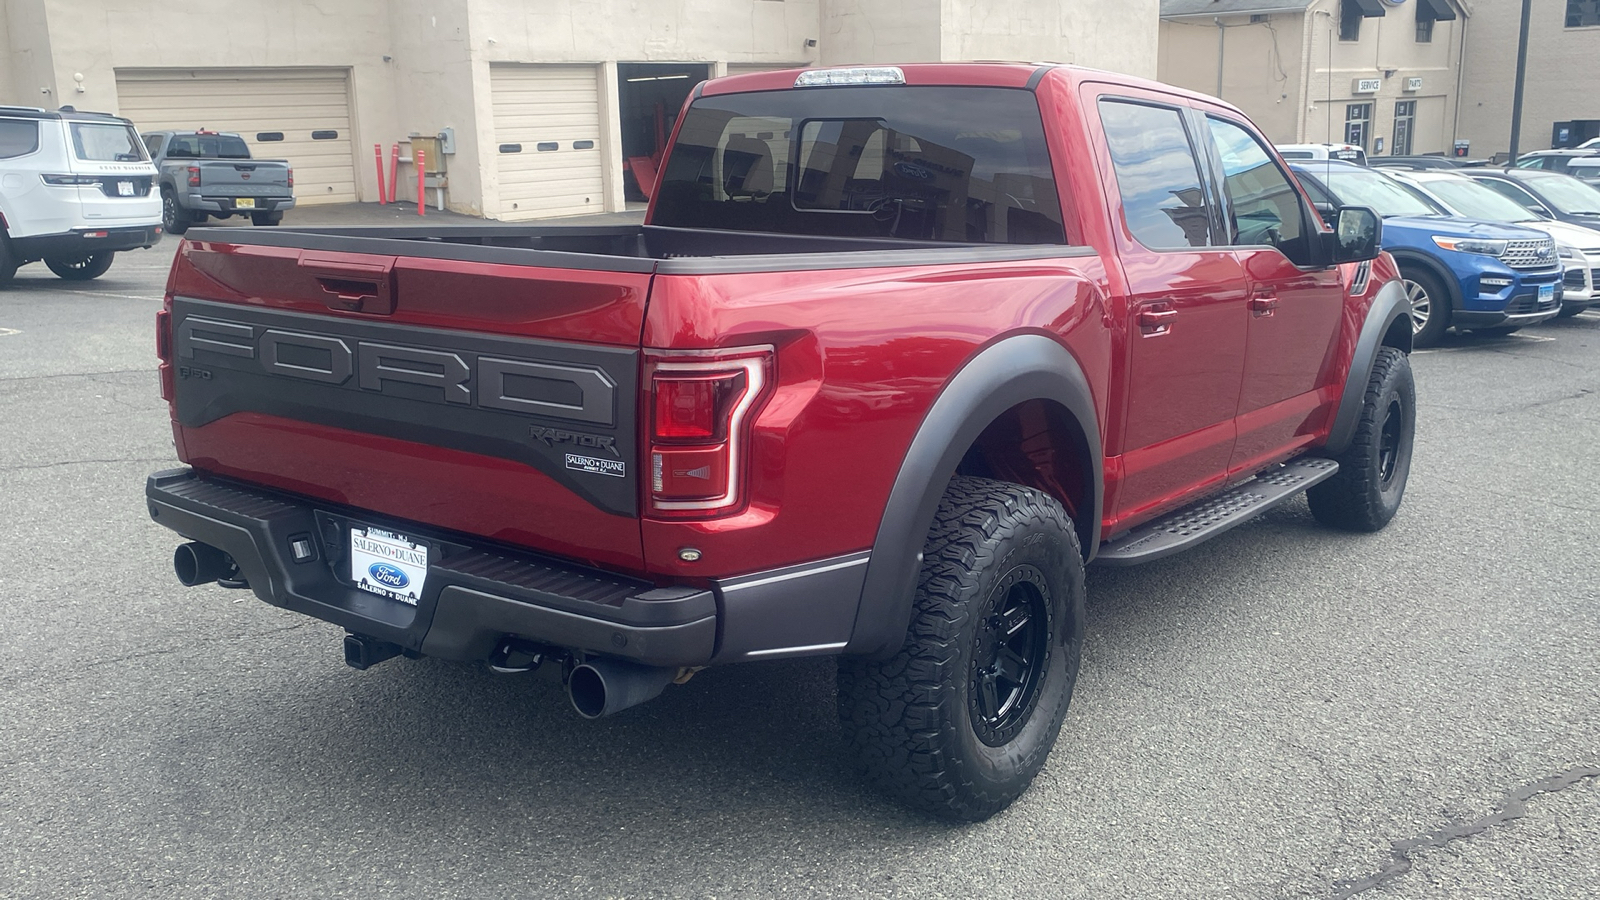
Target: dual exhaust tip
[(597, 688)]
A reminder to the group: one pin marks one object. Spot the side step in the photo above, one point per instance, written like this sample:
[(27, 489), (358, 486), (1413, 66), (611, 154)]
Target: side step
[(1180, 530)]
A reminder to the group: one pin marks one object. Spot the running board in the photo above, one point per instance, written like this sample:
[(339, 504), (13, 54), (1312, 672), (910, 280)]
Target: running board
[(1178, 531)]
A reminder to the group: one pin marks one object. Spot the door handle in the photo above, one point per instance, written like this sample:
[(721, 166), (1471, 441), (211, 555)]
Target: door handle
[(352, 283), (1156, 322), (1263, 304)]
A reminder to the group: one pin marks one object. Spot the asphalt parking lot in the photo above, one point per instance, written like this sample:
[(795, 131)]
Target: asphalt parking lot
[(1287, 712)]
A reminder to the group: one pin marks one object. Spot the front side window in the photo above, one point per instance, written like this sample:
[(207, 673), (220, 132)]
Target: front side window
[(107, 142), (1265, 208), (18, 137), (1357, 124), (1157, 175), (916, 163)]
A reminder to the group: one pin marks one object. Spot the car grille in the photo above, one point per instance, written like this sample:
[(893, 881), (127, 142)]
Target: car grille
[(1575, 279), (141, 185), (1539, 253)]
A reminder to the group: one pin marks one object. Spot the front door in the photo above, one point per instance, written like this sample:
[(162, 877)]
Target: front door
[(1294, 311), (1184, 326)]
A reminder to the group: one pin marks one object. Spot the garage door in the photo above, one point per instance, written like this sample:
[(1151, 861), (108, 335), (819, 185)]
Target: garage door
[(299, 115), (547, 137)]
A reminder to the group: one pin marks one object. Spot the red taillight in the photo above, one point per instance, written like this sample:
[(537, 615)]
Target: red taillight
[(291, 178), (701, 407), (164, 353), (194, 176)]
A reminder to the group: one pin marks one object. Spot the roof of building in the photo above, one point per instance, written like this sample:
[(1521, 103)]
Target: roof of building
[(1184, 8)]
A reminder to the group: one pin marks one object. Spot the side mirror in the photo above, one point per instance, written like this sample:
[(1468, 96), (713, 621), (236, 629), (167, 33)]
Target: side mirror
[(1541, 212), (1357, 235)]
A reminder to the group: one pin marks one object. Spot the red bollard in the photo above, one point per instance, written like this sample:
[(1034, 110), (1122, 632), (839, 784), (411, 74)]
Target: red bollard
[(394, 173), (383, 191), (422, 179)]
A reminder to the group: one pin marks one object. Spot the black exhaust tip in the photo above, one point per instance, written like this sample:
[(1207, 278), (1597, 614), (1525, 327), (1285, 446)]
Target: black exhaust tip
[(601, 687), (362, 652), (196, 564)]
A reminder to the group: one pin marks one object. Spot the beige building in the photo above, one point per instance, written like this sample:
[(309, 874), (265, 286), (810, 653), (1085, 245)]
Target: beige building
[(1382, 74), (548, 108), (1562, 87)]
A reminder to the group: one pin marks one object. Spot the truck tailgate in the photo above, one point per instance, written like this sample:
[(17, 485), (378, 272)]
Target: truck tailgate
[(254, 176), (497, 400)]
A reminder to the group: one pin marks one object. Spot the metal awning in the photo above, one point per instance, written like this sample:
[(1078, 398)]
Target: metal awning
[(1438, 10), (1370, 9)]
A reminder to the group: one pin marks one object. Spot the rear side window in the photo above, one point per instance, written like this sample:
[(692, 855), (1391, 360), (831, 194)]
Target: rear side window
[(1157, 174), (208, 146), (107, 142), (18, 137), (920, 163), (1265, 207)]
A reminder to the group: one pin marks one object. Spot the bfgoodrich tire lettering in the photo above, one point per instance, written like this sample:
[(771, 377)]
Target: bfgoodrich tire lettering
[(960, 721), (1366, 492)]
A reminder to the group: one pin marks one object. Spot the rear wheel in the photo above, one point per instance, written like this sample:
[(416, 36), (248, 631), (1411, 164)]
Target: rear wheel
[(173, 217), (1430, 306), (92, 266), (1365, 493), (959, 722), (266, 218)]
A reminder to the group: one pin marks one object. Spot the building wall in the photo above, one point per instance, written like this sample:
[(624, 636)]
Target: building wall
[(1560, 80), (881, 31), (1295, 78), (1262, 66), (30, 76), (1118, 35)]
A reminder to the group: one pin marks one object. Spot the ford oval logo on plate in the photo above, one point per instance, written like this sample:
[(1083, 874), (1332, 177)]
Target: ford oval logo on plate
[(388, 575)]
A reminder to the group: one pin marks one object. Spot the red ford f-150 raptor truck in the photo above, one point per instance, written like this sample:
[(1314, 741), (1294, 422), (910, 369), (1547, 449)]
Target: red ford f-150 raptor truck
[(898, 351)]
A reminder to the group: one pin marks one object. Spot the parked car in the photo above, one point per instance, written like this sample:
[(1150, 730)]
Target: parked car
[(1553, 160), (1346, 152), (1586, 170), (889, 361), (1548, 194), (1480, 276), (1413, 162), (77, 191), (212, 174), (1578, 247)]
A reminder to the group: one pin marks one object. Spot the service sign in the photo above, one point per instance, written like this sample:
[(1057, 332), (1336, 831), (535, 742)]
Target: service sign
[(1368, 85)]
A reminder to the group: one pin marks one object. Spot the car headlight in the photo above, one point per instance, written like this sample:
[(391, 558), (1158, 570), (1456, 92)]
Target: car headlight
[(1566, 252), (1471, 245)]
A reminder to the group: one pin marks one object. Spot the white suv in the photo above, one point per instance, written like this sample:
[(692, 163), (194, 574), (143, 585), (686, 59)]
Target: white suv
[(75, 187)]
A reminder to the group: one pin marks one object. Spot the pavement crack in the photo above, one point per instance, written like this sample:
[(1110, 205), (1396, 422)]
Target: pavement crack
[(85, 462), (1514, 807), (74, 375)]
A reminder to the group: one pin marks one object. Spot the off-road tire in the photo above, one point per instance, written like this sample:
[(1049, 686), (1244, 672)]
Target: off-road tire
[(266, 218), (174, 218), (89, 267), (1430, 332), (1366, 491), (916, 721)]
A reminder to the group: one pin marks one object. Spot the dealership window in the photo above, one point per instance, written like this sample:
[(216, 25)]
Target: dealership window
[(1428, 12), (1358, 124), (1424, 29), (1349, 20), (1405, 122), (1583, 13)]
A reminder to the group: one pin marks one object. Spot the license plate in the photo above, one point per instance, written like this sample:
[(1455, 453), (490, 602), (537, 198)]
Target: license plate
[(245, 203), (125, 188), (1547, 292), (388, 564)]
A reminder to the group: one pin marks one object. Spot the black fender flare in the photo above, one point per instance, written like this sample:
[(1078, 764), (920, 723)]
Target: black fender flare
[(1389, 304), (1407, 259), (1004, 374)]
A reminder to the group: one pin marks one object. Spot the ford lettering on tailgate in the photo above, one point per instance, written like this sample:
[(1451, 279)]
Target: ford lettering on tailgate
[(513, 398)]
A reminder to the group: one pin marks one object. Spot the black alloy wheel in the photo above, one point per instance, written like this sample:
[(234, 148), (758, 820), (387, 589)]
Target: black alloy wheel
[(1010, 654)]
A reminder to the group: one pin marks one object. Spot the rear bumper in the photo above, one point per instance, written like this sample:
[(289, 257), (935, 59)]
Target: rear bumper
[(81, 242), (230, 204), (473, 596), (476, 595)]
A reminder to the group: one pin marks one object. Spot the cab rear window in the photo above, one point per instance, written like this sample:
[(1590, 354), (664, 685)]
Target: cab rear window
[(18, 137), (107, 142), (963, 165)]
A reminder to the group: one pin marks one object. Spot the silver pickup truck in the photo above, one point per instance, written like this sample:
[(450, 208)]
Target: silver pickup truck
[(211, 173)]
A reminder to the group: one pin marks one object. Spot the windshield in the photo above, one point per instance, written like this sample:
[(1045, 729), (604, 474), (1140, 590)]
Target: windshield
[(107, 142), (1366, 187), (919, 163), (1473, 200), (1567, 194)]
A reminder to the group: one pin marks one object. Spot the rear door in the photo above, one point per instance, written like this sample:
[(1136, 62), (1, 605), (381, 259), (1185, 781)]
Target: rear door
[(1293, 311), (1184, 330)]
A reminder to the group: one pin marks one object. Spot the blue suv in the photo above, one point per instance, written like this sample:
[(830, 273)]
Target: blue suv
[(1478, 276)]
